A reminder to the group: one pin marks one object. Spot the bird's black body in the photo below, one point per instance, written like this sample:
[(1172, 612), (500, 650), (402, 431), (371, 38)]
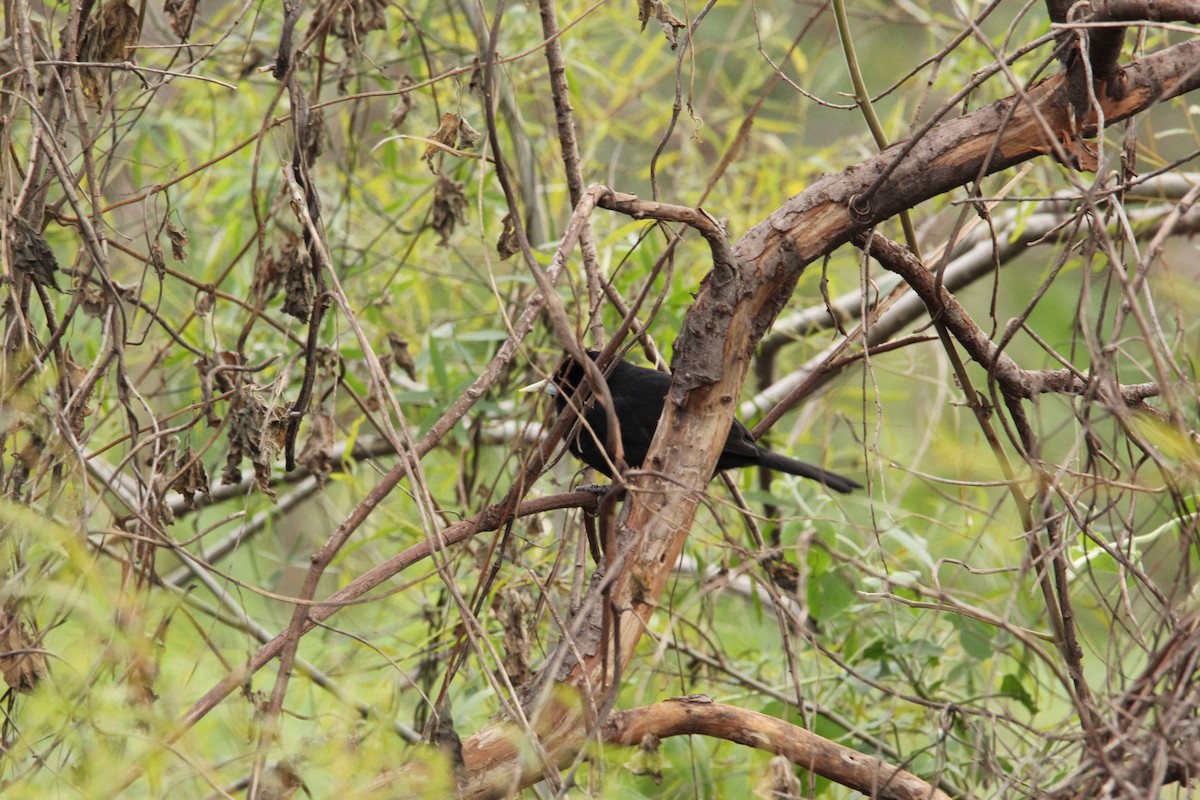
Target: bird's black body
[(638, 395)]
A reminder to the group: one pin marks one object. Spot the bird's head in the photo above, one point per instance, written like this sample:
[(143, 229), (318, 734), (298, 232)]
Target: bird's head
[(566, 378)]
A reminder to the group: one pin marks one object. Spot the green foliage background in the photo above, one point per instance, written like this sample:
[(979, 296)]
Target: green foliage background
[(894, 575)]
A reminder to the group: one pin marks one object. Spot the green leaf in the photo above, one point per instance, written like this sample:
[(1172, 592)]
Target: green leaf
[(1011, 686), (829, 594), (975, 638)]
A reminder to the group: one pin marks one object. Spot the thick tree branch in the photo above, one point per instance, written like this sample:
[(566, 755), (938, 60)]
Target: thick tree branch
[(699, 715)]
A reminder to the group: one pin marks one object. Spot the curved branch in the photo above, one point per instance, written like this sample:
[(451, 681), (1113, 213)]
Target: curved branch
[(697, 714)]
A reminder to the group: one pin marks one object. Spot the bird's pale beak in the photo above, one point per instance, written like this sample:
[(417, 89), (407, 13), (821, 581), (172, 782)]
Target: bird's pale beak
[(543, 386)]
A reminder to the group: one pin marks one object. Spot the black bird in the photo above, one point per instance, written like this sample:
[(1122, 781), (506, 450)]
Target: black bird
[(638, 395)]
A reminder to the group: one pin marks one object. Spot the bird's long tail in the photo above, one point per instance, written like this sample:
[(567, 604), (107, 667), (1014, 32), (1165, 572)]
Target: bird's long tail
[(781, 463)]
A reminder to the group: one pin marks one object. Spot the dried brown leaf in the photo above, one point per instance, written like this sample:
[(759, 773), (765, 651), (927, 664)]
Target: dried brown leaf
[(647, 759), (254, 433), (298, 287), (446, 133), (32, 254), (81, 408), (180, 13), (108, 37), (402, 357), (317, 452), (779, 782), (140, 677), (287, 266), (157, 260), (404, 105), (280, 782), (449, 206), (204, 302), (177, 234), (191, 478), (22, 663), (94, 300), (659, 10), (26, 461), (356, 18), (468, 137), (508, 244)]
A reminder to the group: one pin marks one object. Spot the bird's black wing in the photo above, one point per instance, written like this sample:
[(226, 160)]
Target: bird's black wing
[(638, 395)]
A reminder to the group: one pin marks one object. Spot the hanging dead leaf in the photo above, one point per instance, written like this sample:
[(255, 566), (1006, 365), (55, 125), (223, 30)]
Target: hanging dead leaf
[(508, 244), (280, 782), (205, 300), (108, 37), (157, 260), (779, 782), (354, 19), (401, 356), (298, 287), (191, 479), (80, 408), (468, 137), (403, 106), (181, 13), (94, 300), (140, 676), (647, 760), (314, 135), (177, 234), (659, 10), (254, 433), (289, 265), (31, 253), (74, 371), (447, 134), (317, 453), (449, 205), (475, 85), (22, 662), (269, 270)]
